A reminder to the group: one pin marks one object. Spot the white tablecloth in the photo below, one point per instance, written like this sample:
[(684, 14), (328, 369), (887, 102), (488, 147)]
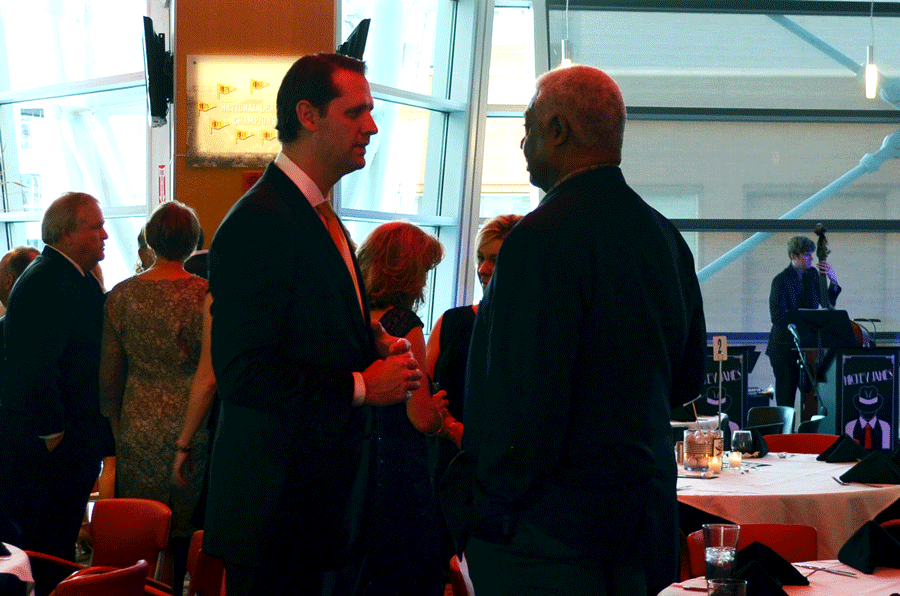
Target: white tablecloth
[(18, 565), (704, 422), (794, 490), (883, 582)]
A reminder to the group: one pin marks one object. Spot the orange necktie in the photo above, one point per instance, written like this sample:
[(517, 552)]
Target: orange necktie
[(867, 438), (329, 218)]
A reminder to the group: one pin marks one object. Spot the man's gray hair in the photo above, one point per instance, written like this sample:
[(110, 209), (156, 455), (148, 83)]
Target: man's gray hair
[(62, 215), (591, 102)]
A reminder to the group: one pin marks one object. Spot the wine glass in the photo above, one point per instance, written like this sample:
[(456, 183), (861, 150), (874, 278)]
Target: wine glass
[(742, 440)]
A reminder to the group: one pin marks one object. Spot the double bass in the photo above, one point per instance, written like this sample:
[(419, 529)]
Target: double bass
[(863, 339), (815, 358)]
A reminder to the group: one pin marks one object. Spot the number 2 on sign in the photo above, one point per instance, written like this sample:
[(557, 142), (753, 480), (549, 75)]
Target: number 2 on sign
[(720, 348)]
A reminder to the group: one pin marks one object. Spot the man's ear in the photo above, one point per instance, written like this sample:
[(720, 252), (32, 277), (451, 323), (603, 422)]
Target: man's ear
[(66, 238), (558, 130), (307, 114)]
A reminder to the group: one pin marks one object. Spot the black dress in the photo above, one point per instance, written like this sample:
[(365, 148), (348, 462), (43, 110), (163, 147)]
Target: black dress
[(450, 375), (405, 555)]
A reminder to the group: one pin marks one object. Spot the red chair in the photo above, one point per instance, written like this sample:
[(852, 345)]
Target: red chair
[(206, 572), (105, 581), (123, 531), (459, 579), (893, 527), (794, 542), (800, 443), (126, 530)]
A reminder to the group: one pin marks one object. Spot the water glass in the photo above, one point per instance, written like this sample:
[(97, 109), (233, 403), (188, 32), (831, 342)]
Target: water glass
[(742, 440), (726, 587), (720, 541)]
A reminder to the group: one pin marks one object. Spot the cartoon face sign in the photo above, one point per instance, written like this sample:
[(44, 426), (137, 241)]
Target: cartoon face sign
[(712, 399), (868, 400), (867, 429)]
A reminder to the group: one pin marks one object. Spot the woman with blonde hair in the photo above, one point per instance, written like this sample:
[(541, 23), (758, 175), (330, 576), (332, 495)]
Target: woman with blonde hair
[(448, 352), (405, 543), (448, 344)]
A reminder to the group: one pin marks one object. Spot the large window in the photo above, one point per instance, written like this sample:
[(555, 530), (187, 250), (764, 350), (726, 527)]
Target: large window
[(73, 116), (761, 122), (427, 104), (744, 128)]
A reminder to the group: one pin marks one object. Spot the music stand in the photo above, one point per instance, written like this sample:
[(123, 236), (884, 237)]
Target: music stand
[(823, 328), (820, 329)]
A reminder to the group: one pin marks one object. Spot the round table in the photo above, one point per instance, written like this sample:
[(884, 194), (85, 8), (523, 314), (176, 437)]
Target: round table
[(795, 489), (883, 582)]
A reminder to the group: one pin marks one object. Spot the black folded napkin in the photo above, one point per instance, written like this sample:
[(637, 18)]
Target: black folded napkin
[(682, 414), (774, 564), (4, 552), (843, 450), (895, 455), (759, 447), (759, 582), (870, 546), (875, 468)]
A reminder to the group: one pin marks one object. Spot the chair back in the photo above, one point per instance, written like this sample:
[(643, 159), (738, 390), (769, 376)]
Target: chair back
[(811, 426), (460, 584), (206, 571), (125, 530), (766, 429), (800, 443), (105, 581), (794, 542), (765, 415), (893, 527), (48, 571)]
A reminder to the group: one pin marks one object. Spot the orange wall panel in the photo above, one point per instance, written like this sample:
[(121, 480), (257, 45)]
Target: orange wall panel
[(241, 28)]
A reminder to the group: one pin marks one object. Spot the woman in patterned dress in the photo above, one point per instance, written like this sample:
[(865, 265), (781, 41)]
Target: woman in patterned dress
[(151, 346)]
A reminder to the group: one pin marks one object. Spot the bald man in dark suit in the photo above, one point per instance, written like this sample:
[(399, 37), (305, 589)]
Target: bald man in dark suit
[(590, 329)]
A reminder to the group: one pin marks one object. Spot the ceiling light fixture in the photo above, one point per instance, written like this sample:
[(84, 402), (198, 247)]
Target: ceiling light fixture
[(566, 56), (871, 70)]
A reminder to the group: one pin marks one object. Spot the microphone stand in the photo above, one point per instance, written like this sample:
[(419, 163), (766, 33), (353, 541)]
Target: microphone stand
[(804, 366)]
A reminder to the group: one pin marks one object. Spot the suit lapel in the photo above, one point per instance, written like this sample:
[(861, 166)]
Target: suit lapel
[(310, 222)]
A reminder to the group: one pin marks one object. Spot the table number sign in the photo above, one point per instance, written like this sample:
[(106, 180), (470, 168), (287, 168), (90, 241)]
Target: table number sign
[(731, 371)]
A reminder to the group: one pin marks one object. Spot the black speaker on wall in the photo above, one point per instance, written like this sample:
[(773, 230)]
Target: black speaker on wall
[(159, 74), (355, 46)]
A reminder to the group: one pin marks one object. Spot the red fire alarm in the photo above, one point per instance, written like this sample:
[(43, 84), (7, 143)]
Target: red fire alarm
[(250, 178)]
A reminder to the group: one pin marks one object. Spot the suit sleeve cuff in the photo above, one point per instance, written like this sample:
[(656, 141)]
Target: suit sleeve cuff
[(359, 389)]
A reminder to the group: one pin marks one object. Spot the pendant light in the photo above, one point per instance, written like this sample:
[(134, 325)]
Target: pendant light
[(566, 56), (871, 70)]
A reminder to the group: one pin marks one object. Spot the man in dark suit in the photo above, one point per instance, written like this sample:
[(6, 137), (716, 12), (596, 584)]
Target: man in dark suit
[(295, 355), (591, 328), (53, 435), (798, 286)]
